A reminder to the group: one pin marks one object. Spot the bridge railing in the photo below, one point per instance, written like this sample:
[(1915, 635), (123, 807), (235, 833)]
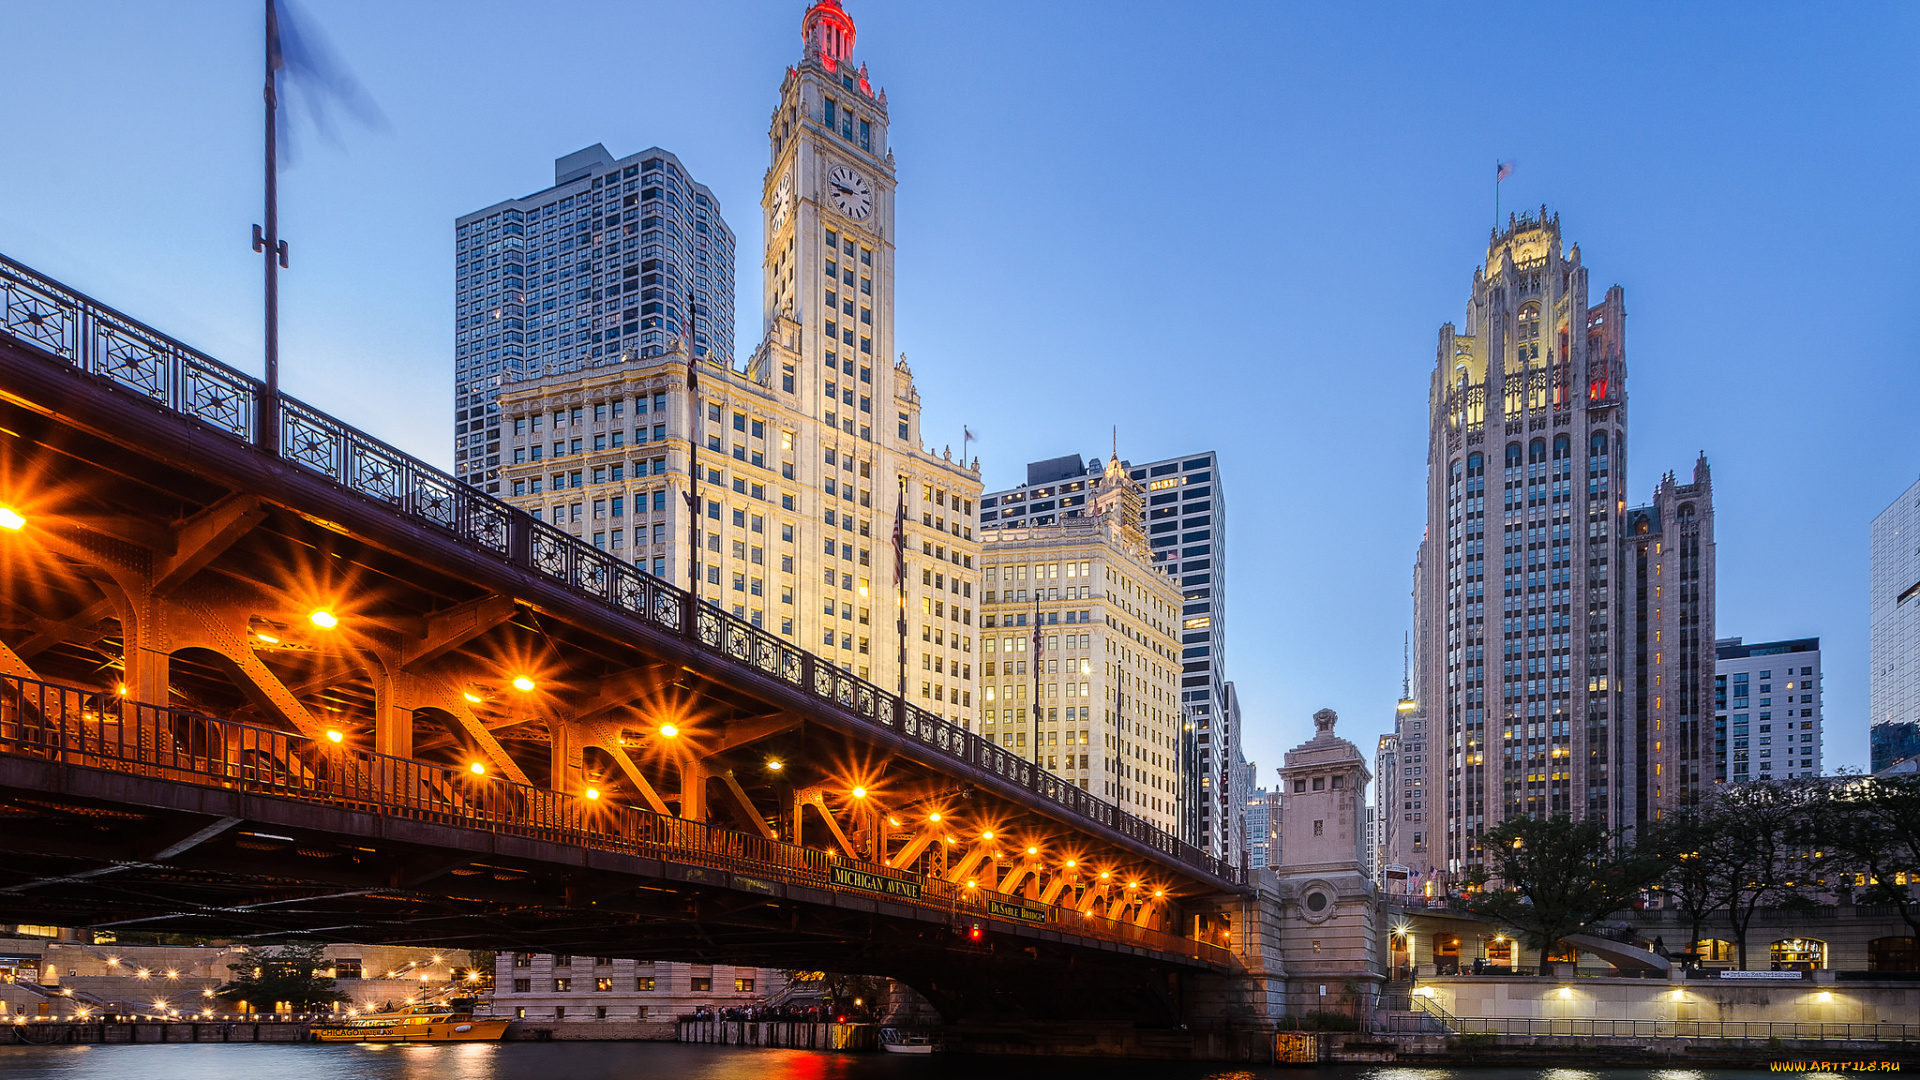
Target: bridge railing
[(69, 326), (79, 728)]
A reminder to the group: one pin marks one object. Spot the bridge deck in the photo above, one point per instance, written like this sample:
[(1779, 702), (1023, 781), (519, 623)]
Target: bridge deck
[(82, 363)]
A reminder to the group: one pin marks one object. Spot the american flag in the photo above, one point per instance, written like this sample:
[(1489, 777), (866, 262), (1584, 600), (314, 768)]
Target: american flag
[(1036, 634), (900, 537), (1502, 170)]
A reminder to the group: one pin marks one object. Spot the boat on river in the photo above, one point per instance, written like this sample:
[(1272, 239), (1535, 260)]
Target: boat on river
[(895, 1041), (445, 1022)]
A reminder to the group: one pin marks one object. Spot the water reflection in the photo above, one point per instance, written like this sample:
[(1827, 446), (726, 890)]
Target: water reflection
[(669, 1061)]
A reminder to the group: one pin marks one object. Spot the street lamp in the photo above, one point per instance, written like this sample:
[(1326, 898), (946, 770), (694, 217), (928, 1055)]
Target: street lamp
[(324, 619), (335, 736), (11, 520), (523, 684), (477, 769)]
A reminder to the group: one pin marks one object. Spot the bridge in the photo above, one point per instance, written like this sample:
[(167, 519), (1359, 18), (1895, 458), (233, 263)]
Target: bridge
[(262, 674)]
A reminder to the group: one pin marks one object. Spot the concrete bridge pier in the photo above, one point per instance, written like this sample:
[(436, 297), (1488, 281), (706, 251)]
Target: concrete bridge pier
[(1254, 996)]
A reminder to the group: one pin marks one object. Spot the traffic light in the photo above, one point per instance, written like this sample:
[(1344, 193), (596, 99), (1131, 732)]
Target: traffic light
[(974, 933)]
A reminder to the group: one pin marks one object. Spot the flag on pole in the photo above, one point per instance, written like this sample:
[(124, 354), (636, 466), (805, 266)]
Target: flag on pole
[(1036, 634), (900, 536), (1502, 170), (306, 70)]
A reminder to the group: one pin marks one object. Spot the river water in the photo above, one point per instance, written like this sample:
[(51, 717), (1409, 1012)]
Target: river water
[(669, 1061)]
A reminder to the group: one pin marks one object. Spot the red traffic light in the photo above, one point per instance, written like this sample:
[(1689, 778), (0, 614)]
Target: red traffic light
[(974, 933)]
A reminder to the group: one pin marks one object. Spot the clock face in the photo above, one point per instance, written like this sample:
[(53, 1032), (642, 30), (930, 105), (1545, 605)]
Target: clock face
[(781, 196), (851, 193)]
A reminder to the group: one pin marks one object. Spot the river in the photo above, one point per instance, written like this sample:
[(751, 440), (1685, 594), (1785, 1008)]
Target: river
[(669, 1061)]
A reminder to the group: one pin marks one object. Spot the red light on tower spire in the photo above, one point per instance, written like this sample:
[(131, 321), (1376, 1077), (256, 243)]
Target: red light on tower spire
[(828, 30)]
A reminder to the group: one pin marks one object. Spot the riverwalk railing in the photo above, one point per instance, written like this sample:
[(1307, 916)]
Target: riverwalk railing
[(84, 729), (73, 329), (1590, 1028)]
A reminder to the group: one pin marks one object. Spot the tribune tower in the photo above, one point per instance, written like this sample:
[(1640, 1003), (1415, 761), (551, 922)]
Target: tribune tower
[(1520, 599)]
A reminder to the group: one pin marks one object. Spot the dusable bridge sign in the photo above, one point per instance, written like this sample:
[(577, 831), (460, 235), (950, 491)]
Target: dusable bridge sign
[(1015, 911)]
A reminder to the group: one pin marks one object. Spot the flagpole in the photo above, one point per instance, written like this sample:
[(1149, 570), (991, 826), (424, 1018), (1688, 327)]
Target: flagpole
[(900, 576), (275, 252), (1037, 640), (693, 462)]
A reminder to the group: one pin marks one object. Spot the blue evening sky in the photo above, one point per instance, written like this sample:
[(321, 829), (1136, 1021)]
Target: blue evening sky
[(1234, 227)]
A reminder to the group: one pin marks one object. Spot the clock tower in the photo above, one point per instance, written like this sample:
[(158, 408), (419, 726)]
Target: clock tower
[(828, 358), (832, 182)]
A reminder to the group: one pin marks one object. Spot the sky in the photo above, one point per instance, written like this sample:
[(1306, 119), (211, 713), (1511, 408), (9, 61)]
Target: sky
[(1216, 226)]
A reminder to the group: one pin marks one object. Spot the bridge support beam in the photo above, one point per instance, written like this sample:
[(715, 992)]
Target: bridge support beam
[(566, 757), (392, 714), (11, 664)]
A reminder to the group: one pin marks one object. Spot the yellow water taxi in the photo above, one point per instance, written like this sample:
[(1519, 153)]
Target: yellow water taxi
[(428, 1023)]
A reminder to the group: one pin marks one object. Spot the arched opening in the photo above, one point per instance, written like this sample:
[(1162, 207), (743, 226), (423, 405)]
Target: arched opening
[(1892, 954), (1797, 954), (1526, 334), (1500, 952)]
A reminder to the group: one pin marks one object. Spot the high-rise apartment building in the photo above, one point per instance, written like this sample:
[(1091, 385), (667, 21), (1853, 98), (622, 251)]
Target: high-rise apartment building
[(1519, 582), (798, 462), (1388, 794), (603, 263), (1767, 702), (1370, 843), (1404, 793), (1666, 669), (1186, 532), (1263, 836), (1080, 650), (1893, 647)]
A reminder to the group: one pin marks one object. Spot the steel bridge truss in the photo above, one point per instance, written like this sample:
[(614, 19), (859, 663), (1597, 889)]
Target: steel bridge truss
[(161, 614)]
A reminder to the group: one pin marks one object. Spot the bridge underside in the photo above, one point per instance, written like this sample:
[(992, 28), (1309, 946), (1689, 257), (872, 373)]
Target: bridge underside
[(124, 853), (164, 588)]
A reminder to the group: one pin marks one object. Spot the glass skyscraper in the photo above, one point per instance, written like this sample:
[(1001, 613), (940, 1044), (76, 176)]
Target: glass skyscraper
[(600, 264)]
